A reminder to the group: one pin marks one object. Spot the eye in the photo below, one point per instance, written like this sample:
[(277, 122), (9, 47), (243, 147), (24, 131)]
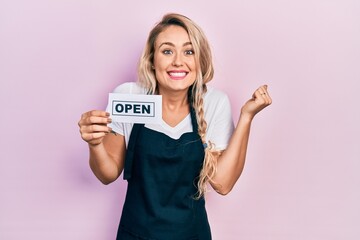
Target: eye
[(189, 52), (167, 52)]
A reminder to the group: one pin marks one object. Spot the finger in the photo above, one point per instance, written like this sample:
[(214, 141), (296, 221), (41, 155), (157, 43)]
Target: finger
[(97, 113), (268, 98), (258, 95), (266, 95), (262, 97), (270, 101), (97, 120), (259, 90), (92, 136), (262, 89), (93, 120), (95, 128)]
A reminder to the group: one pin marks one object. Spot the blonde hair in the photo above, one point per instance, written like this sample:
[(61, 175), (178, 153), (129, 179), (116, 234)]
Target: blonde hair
[(204, 74)]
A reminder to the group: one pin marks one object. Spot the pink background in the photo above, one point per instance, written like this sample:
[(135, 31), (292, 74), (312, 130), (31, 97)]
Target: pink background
[(60, 58)]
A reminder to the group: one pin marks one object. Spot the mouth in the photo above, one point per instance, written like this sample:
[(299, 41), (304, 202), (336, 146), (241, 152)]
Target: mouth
[(177, 75)]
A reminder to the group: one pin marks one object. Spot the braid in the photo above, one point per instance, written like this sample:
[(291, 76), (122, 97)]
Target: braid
[(202, 124), (209, 167)]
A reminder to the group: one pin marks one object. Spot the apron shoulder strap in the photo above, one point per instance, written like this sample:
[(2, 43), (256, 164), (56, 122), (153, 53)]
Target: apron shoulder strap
[(129, 158), (193, 119), (192, 111)]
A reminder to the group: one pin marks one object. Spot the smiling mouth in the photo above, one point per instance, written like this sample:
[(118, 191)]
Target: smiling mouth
[(177, 75)]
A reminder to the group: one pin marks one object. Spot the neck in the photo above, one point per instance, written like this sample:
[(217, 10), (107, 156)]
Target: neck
[(175, 100), (175, 106)]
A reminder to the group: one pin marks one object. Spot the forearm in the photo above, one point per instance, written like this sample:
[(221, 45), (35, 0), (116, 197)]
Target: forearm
[(231, 162), (102, 164)]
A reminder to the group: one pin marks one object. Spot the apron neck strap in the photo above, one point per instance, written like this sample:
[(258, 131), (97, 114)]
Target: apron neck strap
[(192, 110), (193, 119)]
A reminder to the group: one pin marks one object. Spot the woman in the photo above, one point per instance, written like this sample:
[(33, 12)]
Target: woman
[(168, 165)]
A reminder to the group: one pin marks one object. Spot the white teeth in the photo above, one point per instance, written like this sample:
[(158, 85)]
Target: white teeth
[(177, 74)]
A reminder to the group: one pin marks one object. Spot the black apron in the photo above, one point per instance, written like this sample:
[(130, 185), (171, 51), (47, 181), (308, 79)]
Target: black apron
[(162, 175)]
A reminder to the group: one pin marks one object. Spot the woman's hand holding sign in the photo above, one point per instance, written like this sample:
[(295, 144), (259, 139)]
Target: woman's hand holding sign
[(93, 126), (107, 151)]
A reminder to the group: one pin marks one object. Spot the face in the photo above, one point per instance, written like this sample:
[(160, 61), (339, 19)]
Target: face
[(174, 61)]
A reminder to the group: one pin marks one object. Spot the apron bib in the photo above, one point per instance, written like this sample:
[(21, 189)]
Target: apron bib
[(162, 175)]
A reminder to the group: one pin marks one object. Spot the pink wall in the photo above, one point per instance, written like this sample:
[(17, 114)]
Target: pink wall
[(61, 58)]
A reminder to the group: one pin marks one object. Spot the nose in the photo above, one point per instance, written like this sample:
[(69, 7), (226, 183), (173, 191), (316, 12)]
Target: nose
[(177, 61)]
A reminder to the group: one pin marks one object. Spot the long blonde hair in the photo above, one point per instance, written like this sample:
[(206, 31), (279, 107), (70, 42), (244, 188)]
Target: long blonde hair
[(205, 73)]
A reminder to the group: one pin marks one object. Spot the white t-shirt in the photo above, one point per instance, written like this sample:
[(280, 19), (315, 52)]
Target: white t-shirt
[(220, 125)]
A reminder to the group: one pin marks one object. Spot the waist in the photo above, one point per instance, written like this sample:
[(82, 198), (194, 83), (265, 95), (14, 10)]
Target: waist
[(157, 217)]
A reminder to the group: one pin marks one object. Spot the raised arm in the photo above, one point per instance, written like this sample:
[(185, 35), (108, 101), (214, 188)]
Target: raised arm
[(107, 150), (231, 162)]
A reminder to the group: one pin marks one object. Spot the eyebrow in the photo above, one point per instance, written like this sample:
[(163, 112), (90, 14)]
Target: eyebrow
[(173, 45)]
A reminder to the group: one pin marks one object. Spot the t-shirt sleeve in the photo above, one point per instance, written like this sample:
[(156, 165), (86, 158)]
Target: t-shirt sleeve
[(220, 121)]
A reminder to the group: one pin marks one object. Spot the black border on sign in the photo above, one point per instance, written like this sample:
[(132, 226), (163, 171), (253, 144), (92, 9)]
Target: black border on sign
[(117, 114)]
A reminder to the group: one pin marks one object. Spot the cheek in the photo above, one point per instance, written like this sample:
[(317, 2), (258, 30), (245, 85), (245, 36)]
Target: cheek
[(192, 64), (161, 63), (156, 60)]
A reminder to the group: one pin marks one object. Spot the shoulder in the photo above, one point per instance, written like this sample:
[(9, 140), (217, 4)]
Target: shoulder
[(216, 106), (215, 93), (215, 98), (218, 116), (130, 88)]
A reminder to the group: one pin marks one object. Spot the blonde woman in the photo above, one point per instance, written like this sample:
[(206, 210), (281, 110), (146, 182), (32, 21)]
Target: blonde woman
[(168, 165)]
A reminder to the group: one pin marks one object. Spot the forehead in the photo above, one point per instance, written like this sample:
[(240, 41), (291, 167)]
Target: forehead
[(173, 34)]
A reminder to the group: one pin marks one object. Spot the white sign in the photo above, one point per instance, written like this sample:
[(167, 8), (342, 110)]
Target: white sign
[(135, 108)]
